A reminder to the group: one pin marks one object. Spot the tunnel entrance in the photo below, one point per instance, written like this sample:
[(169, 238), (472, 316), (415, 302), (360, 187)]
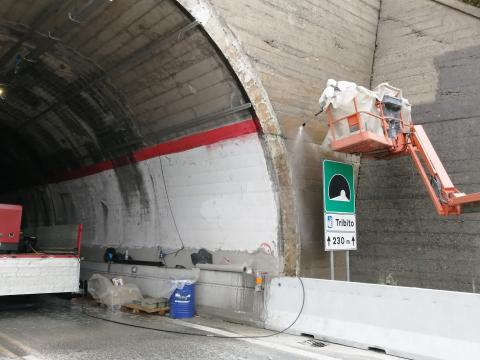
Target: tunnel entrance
[(125, 117)]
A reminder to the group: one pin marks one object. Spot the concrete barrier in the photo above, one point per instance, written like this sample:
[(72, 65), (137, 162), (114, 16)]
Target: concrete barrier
[(409, 322), (224, 294)]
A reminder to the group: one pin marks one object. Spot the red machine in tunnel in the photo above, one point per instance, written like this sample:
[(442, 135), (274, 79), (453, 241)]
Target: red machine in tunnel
[(28, 266), (378, 125), (10, 220)]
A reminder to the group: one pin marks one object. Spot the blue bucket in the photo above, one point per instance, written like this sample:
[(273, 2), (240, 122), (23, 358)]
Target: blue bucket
[(182, 302)]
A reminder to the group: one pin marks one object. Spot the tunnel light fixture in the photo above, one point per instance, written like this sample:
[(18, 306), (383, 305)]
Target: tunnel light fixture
[(3, 91)]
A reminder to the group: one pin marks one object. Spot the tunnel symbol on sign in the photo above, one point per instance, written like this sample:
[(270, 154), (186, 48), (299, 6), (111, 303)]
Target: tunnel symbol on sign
[(338, 189)]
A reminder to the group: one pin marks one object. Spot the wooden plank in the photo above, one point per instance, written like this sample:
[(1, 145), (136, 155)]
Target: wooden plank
[(136, 309)]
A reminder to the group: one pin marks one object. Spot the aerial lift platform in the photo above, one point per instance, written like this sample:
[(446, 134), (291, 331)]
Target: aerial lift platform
[(377, 124)]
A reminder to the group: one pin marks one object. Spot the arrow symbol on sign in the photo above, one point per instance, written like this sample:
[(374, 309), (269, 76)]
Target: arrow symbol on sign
[(328, 241), (353, 240)]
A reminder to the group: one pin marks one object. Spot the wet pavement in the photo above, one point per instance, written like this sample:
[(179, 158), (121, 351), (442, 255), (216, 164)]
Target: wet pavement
[(49, 327)]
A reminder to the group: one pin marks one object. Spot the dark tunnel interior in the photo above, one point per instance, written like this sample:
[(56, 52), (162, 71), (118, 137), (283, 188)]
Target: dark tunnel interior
[(83, 82)]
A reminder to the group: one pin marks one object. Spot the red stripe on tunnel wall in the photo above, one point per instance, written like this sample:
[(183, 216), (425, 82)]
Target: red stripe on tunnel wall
[(185, 143)]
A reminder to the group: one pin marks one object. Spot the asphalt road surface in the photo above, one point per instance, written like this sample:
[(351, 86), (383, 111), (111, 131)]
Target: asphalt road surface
[(51, 328), (36, 329)]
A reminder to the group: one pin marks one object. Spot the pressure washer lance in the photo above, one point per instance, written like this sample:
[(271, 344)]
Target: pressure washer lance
[(318, 113)]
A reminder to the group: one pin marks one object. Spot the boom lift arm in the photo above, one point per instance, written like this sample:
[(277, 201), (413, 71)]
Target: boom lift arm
[(446, 198), (382, 129)]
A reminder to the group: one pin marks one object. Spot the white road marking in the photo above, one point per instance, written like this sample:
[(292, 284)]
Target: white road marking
[(275, 346), (5, 352), (33, 355)]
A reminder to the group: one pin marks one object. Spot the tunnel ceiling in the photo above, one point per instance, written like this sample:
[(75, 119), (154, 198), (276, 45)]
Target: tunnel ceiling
[(86, 81)]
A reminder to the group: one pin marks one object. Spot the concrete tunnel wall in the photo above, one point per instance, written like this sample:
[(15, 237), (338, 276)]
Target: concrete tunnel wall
[(314, 41), (431, 50)]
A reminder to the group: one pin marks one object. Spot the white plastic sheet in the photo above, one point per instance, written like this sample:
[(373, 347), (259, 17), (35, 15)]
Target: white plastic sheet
[(340, 95), (103, 290)]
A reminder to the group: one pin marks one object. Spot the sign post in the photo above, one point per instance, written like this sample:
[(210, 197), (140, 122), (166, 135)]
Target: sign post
[(332, 266), (340, 222), (347, 262)]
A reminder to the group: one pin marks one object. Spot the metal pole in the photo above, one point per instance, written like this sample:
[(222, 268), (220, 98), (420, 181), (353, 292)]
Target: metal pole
[(332, 266), (347, 262)]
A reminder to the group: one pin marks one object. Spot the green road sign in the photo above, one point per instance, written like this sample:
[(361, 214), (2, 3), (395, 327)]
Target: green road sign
[(338, 190)]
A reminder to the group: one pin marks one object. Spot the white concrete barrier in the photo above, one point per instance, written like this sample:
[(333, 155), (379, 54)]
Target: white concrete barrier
[(408, 322)]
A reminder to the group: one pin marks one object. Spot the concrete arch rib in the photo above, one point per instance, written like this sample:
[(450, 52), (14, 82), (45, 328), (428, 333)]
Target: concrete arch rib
[(273, 142)]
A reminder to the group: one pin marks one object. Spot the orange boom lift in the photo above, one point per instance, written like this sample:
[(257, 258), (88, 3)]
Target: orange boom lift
[(396, 137)]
